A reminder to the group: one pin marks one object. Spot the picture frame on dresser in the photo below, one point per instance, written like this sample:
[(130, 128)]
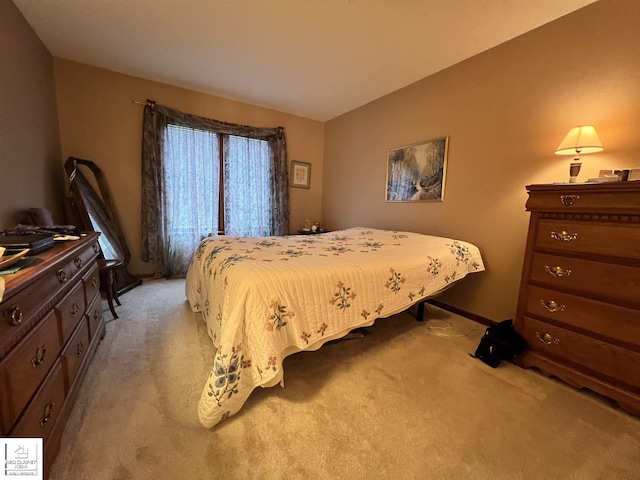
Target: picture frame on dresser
[(578, 305)]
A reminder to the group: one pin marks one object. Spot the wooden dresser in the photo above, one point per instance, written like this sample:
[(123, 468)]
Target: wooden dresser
[(579, 303), (50, 325)]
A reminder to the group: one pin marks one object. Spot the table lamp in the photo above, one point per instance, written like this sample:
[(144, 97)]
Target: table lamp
[(579, 140)]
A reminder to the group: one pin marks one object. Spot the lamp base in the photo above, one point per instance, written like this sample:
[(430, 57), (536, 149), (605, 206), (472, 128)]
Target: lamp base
[(574, 170)]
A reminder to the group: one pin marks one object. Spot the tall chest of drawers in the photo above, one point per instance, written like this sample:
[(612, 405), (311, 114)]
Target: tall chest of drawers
[(579, 301), (50, 325)]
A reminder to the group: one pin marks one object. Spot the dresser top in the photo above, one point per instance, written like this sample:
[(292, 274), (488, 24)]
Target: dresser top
[(586, 187), (45, 260), (613, 198)]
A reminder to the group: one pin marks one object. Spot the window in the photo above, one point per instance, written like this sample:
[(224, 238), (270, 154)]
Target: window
[(211, 190), (192, 180), (202, 177), (247, 187)]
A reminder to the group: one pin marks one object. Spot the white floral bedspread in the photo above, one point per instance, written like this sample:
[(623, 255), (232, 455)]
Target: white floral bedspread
[(266, 298)]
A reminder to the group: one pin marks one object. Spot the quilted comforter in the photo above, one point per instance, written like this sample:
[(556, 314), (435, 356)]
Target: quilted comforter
[(265, 298)]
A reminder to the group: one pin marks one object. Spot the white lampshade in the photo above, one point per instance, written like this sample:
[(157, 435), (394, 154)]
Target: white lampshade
[(583, 139)]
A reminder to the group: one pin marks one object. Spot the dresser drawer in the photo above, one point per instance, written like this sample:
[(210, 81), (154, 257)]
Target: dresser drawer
[(94, 314), (608, 320), (75, 352), (572, 200), (70, 310), (574, 237), (614, 362), (91, 284), (600, 279), (84, 257), (17, 311), (22, 371), (44, 409), (69, 270)]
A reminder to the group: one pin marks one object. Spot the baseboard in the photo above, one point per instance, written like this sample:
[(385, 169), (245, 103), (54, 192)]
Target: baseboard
[(463, 313), (144, 275)]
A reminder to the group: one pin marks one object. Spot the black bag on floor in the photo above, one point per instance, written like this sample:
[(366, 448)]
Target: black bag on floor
[(500, 342)]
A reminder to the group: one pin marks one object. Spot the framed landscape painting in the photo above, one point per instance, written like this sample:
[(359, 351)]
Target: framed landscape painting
[(416, 173)]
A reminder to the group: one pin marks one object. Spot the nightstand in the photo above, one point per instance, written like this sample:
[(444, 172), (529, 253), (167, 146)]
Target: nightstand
[(311, 232)]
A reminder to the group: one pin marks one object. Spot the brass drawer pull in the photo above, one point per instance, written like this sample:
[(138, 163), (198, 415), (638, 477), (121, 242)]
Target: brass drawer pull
[(62, 276), (75, 308), (80, 349), (47, 414), (14, 314), (552, 305), (568, 200), (94, 282), (41, 356), (78, 262), (547, 339), (96, 248), (564, 236), (557, 271)]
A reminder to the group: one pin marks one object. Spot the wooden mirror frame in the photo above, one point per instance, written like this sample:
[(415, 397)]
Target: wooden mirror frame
[(87, 198)]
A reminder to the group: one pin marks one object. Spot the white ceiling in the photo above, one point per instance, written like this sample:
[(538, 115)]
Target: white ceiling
[(313, 58)]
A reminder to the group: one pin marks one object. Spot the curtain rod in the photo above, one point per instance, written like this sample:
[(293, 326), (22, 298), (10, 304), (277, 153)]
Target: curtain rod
[(152, 104)]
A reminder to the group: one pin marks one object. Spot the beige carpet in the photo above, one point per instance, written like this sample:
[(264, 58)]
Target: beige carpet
[(404, 402)]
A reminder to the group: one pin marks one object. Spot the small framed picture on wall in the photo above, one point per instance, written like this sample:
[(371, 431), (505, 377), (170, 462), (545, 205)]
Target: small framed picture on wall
[(300, 174)]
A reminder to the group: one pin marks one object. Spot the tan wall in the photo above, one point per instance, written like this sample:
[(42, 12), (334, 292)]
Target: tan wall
[(30, 174), (100, 122), (505, 112)]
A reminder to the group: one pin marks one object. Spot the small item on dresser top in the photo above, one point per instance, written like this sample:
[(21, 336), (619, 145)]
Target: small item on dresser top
[(634, 174), (9, 260), (32, 243), (14, 266), (59, 232), (629, 174), (605, 178), (38, 216)]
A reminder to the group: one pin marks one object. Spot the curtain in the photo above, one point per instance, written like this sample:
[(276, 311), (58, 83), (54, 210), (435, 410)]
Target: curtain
[(160, 244), (248, 194)]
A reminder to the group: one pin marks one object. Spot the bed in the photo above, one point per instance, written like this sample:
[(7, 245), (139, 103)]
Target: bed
[(266, 298)]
